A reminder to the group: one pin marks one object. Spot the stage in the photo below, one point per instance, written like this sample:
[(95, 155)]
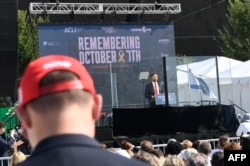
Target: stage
[(163, 123)]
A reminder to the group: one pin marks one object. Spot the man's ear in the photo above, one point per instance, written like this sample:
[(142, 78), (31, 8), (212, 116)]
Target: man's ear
[(97, 107), (24, 117)]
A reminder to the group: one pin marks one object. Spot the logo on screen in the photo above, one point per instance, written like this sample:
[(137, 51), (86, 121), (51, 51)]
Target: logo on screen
[(143, 29), (50, 43), (109, 29), (164, 41), (70, 30)]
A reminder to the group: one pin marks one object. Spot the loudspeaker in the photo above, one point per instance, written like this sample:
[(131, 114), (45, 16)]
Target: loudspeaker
[(103, 134), (8, 47)]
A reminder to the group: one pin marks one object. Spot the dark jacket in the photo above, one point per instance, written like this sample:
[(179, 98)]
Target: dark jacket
[(5, 145), (149, 92), (74, 150)]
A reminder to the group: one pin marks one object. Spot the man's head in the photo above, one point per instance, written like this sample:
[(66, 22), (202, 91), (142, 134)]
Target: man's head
[(2, 127), (223, 141), (204, 147), (146, 146), (187, 144), (246, 117), (30, 87), (57, 95), (154, 77), (217, 159), (198, 159)]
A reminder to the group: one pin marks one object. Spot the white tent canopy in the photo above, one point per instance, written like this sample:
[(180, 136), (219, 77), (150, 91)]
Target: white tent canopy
[(206, 68), (234, 80), (240, 74)]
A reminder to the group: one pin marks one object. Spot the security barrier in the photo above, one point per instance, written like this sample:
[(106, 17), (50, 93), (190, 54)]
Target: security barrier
[(3, 159)]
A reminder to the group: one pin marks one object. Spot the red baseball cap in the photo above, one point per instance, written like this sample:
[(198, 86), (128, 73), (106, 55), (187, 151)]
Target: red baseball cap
[(29, 88)]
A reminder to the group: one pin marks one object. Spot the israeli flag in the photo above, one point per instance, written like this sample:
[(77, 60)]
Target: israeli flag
[(197, 83)]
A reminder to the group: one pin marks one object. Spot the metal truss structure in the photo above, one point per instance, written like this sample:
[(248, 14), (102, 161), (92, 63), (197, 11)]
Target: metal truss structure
[(104, 8)]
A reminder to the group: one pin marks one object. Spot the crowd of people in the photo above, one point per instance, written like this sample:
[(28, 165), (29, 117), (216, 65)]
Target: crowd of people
[(185, 153), (58, 107)]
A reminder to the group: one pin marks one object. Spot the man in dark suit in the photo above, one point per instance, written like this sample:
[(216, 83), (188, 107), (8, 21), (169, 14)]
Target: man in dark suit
[(5, 145), (152, 89)]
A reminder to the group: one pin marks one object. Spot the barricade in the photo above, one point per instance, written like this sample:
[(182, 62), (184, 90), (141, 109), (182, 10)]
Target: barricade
[(2, 159), (213, 142)]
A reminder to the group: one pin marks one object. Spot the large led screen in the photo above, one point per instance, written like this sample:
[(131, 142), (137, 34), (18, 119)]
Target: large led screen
[(114, 54)]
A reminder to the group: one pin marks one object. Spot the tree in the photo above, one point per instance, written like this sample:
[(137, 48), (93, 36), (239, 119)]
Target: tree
[(183, 59), (234, 39), (28, 38)]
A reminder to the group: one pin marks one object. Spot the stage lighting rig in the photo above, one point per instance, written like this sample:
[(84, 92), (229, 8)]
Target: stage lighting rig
[(98, 8)]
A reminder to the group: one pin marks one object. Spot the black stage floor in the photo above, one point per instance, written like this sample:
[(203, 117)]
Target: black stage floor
[(163, 123)]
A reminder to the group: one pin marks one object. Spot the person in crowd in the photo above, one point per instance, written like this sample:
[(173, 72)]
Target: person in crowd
[(186, 154), (187, 144), (126, 149), (222, 144), (173, 160), (146, 146), (245, 143), (205, 148), (233, 146), (244, 127), (148, 158), (58, 107), (152, 89), (16, 158), (173, 148), (239, 118), (5, 145), (198, 159), (196, 144), (217, 159), (159, 153), (172, 140)]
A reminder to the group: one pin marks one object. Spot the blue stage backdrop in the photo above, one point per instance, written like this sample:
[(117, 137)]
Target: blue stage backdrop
[(115, 55)]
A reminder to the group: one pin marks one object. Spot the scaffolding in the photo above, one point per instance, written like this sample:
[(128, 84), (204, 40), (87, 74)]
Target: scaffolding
[(104, 8)]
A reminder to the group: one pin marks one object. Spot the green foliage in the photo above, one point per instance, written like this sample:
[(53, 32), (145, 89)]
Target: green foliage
[(28, 38), (5, 102), (234, 40), (183, 59)]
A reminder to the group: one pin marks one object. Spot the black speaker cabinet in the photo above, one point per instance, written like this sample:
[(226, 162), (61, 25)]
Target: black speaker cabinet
[(8, 47)]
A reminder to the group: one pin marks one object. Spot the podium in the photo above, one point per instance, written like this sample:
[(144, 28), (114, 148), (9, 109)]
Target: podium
[(161, 100)]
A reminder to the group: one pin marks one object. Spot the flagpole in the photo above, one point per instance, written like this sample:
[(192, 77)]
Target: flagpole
[(188, 85), (218, 81), (201, 98), (165, 81)]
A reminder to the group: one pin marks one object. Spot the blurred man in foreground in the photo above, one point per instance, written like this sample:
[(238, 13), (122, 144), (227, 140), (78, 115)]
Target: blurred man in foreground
[(58, 107)]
